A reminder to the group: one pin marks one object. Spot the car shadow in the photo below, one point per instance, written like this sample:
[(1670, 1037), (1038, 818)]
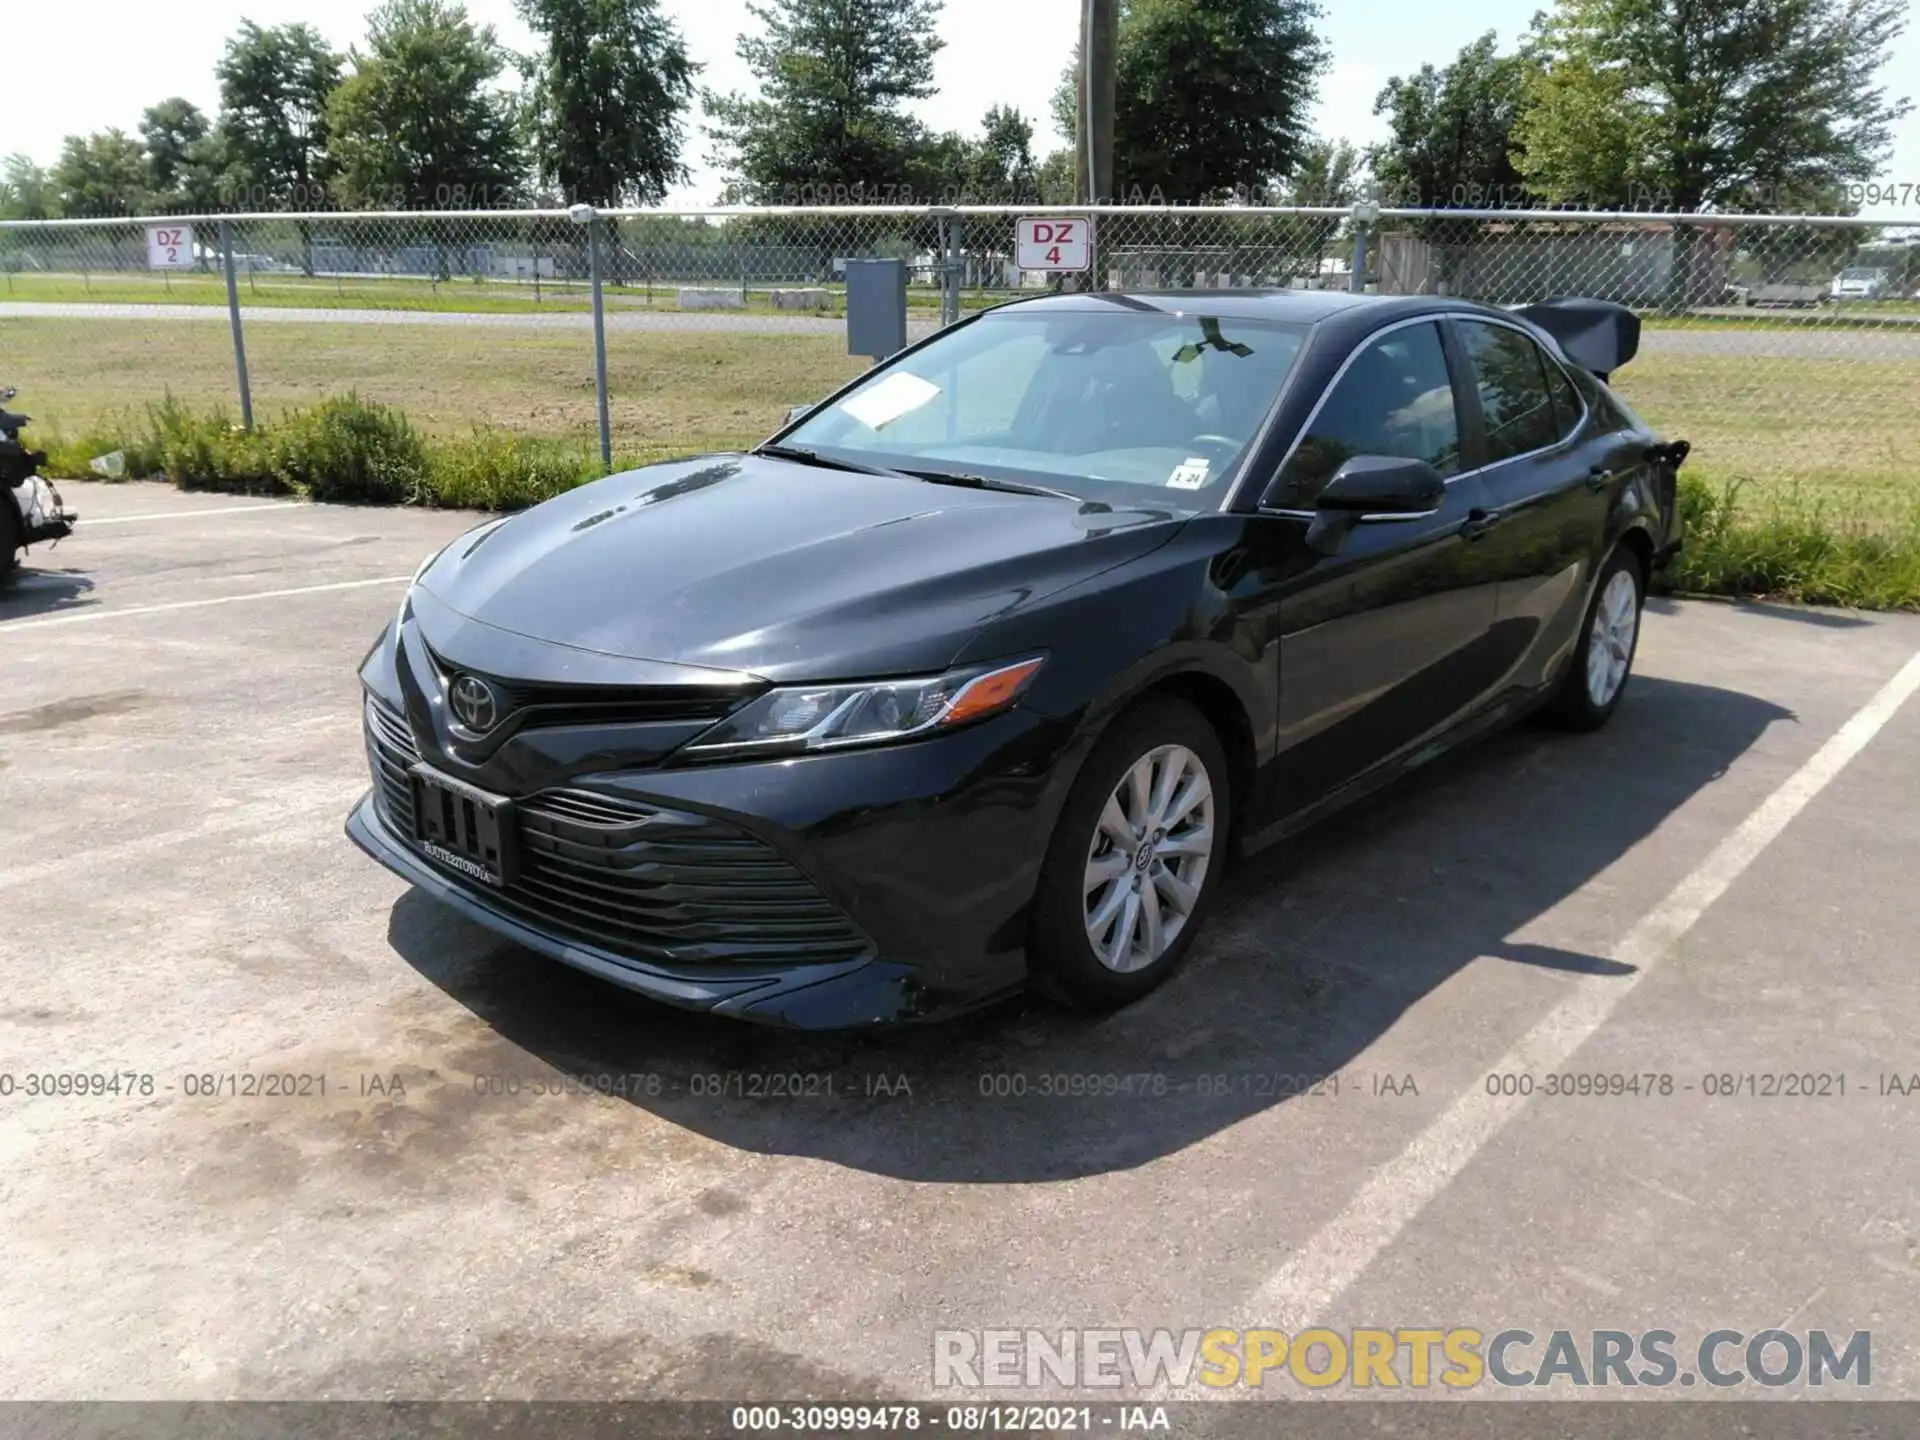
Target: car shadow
[(33, 591), (1820, 617), (1319, 946)]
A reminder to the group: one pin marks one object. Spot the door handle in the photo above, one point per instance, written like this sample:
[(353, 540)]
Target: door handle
[(1479, 522), (1598, 477)]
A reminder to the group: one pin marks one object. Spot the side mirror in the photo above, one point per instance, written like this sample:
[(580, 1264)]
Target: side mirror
[(795, 412), (1384, 486), (1373, 487)]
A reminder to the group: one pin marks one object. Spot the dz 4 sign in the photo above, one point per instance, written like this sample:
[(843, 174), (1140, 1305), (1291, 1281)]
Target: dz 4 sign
[(169, 247), (1055, 243)]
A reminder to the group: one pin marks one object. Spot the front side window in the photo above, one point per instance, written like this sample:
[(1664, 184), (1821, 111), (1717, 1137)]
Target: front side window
[(1107, 404), (1396, 398), (1510, 373)]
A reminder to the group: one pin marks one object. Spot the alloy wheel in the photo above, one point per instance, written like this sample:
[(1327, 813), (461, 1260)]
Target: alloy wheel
[(1148, 859), (1616, 622)]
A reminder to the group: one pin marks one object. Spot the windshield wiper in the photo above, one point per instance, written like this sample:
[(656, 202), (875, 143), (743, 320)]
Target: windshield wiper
[(805, 456), (814, 457), (989, 482)]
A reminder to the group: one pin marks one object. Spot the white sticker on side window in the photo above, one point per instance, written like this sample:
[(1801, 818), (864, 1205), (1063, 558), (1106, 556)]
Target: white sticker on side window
[(887, 401), (1189, 474)]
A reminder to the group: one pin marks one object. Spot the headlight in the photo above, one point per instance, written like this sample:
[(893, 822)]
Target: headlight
[(800, 718)]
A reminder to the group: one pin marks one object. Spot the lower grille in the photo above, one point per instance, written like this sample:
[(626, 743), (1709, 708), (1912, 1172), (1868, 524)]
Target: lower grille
[(635, 880)]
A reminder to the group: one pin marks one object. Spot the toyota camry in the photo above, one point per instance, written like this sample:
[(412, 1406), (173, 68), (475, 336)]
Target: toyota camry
[(979, 673)]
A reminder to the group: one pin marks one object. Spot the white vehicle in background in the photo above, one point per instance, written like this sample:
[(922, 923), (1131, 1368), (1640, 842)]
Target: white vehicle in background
[(1859, 282), (32, 510)]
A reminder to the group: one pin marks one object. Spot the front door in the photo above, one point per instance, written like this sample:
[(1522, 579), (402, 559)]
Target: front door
[(1385, 631)]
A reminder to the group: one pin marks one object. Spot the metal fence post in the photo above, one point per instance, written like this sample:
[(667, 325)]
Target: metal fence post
[(1364, 214), (239, 336), (950, 285), (592, 221), (943, 262)]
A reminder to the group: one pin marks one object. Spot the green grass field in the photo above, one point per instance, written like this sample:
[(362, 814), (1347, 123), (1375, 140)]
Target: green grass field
[(483, 297), (1813, 431), (1821, 456), (1834, 434), (672, 392)]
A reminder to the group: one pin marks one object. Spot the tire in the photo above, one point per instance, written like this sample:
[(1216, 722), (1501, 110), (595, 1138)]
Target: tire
[(12, 528), (1089, 867), (1590, 690)]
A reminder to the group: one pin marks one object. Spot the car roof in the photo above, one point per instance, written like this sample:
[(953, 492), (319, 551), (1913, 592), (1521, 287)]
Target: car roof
[(1305, 307)]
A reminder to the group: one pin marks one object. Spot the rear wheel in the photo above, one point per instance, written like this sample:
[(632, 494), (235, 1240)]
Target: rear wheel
[(1597, 674), (1135, 859), (12, 532)]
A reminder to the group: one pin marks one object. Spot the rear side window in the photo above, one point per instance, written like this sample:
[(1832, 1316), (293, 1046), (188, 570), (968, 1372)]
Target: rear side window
[(1396, 398), (1511, 375), (1566, 400), (1610, 412)]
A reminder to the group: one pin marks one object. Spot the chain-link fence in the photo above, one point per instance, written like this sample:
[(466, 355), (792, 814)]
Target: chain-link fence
[(1787, 348)]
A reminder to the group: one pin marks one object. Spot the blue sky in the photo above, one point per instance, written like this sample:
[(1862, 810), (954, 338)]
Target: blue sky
[(86, 64)]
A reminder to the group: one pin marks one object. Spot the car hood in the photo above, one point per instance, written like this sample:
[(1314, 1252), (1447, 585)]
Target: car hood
[(780, 569)]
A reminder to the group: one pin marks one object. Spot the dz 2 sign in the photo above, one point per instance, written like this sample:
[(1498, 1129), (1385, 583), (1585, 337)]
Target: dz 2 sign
[(169, 247), (1054, 243)]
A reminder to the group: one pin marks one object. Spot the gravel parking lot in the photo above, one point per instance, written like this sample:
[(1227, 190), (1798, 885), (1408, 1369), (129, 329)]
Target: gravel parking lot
[(1714, 888)]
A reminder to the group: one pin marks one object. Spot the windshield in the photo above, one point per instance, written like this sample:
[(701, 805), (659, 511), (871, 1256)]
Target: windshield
[(1860, 274), (1122, 406)]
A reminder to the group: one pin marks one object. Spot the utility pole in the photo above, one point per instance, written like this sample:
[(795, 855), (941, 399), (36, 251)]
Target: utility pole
[(1099, 61)]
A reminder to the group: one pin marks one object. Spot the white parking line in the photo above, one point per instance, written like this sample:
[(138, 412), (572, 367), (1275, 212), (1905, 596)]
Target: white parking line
[(190, 514), (7, 627), (1300, 1292)]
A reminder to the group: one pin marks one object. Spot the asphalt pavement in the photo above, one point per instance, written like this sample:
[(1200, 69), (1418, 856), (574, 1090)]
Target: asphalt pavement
[(1342, 1113)]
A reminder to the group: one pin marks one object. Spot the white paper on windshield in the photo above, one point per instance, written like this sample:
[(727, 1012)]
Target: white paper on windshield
[(1190, 474), (890, 399)]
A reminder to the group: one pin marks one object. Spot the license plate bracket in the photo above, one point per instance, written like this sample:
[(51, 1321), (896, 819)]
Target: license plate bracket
[(464, 828)]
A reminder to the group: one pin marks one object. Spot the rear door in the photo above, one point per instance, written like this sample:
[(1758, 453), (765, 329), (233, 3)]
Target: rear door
[(1548, 488), (1383, 637)]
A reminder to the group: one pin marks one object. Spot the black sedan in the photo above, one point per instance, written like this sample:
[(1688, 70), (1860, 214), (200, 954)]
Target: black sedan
[(979, 672)]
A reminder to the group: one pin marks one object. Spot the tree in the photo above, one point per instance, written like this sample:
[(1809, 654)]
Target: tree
[(418, 125), (1718, 103), (608, 96), (1452, 131), (1053, 182), (169, 130), (1000, 166), (101, 174), (1214, 96), (274, 87), (1329, 173), (835, 78), (27, 192)]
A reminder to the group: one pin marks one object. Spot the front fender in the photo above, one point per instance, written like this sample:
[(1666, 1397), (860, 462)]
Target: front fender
[(1163, 617)]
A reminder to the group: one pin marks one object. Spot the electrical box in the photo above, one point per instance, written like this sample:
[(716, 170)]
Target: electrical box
[(876, 307)]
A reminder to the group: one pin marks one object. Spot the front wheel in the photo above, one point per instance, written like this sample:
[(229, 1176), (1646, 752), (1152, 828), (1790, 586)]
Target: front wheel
[(1597, 674), (1135, 859)]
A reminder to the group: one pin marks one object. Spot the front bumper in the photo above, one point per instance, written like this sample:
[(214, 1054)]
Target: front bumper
[(930, 850), (828, 996)]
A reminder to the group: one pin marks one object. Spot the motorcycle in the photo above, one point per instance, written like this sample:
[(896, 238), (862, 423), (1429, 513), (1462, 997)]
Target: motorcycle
[(33, 511)]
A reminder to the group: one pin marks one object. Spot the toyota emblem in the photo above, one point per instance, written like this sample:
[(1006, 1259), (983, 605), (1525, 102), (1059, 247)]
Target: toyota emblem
[(474, 704)]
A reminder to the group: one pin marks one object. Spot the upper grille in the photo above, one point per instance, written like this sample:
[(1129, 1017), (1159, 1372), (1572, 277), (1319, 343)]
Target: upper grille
[(635, 880), (527, 705)]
